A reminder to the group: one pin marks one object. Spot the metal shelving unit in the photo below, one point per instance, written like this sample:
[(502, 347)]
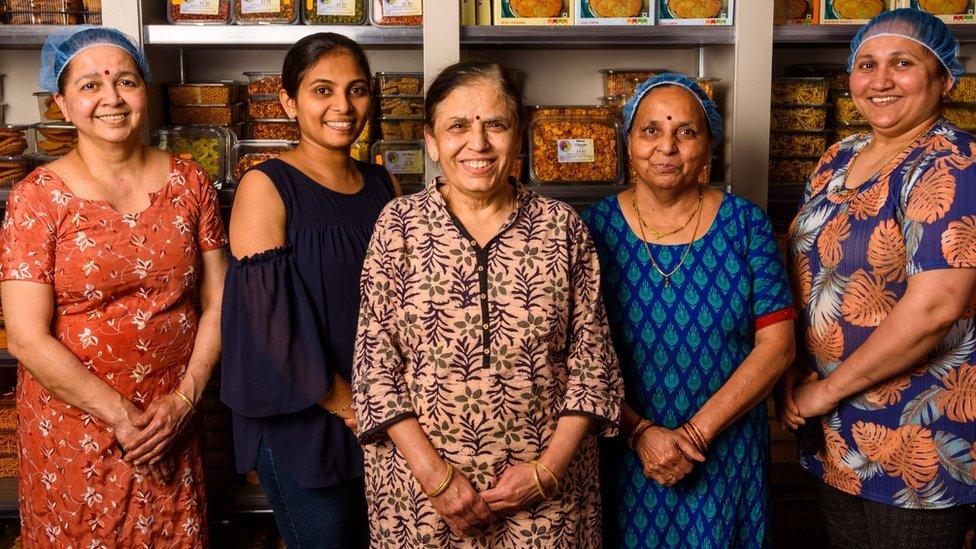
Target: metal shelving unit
[(262, 36), (25, 36), (597, 36), (818, 35)]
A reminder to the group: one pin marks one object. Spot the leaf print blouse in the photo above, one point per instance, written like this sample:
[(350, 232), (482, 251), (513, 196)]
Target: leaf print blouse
[(908, 441), (487, 348)]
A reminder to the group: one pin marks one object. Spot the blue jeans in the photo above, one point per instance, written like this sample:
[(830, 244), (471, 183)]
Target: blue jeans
[(314, 518)]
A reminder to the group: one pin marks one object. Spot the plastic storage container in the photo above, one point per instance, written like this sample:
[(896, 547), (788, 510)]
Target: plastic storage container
[(360, 151), (836, 75), (55, 139), (210, 115), (205, 93), (843, 131), (404, 159), (576, 149), (248, 153), (397, 13), (960, 114), (208, 146), (43, 12), (92, 12), (285, 130), (845, 112), (263, 82), (47, 108), (266, 107), (799, 91), (399, 129), (15, 139), (707, 84), (965, 90), (791, 169), (625, 81), (265, 12), (333, 12), (797, 117), (402, 106), (400, 83), (13, 169), (199, 12), (798, 143)]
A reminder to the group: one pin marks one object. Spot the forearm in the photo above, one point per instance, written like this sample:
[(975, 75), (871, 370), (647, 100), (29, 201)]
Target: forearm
[(422, 458), (206, 353), (339, 396), (565, 442)]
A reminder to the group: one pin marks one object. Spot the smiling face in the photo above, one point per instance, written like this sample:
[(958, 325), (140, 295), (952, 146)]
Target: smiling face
[(104, 96), (669, 139), (474, 137), (897, 84), (332, 103)]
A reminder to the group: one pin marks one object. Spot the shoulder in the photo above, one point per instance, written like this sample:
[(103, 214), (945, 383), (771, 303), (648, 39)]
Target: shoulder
[(599, 210), (742, 213)]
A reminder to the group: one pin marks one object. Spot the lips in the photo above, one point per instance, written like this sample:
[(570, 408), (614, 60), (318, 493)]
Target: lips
[(884, 100), (340, 125), (112, 117)]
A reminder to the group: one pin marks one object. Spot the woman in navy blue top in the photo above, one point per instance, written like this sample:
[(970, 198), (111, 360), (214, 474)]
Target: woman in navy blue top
[(298, 234)]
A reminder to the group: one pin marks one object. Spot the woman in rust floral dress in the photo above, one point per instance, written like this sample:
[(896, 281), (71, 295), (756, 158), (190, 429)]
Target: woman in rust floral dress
[(102, 252), (484, 366)]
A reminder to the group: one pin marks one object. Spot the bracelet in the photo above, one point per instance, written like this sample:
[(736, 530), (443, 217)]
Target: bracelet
[(185, 398), (642, 425), (447, 482), (538, 483), (695, 435), (340, 410), (551, 474)]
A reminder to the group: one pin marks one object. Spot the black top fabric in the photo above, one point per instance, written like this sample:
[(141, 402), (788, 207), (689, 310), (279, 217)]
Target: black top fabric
[(288, 325)]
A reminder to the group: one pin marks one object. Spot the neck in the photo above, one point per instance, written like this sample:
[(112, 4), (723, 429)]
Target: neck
[(883, 140), (676, 201), (478, 204), (324, 159), (111, 158)]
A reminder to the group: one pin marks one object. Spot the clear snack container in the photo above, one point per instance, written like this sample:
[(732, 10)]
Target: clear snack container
[(400, 83), (576, 149), (398, 129), (799, 91), (707, 84), (199, 12), (537, 111), (346, 12), (367, 132), (15, 139), (801, 143), (248, 153), (625, 81), (265, 12), (397, 13), (965, 90), (845, 112), (843, 131), (13, 169), (282, 130), (53, 139), (208, 115), (208, 146), (92, 12), (48, 108), (962, 115), (402, 106), (205, 93), (360, 151), (265, 107), (263, 82), (798, 117), (42, 12), (791, 169), (615, 101), (836, 75), (404, 159)]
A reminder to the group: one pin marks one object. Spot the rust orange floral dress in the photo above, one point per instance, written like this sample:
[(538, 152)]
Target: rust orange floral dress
[(123, 286)]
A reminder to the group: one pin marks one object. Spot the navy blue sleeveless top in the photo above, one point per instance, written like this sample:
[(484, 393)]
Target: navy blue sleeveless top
[(288, 325)]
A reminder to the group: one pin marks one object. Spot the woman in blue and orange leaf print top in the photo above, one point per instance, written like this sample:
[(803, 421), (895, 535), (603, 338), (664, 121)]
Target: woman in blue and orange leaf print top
[(883, 252)]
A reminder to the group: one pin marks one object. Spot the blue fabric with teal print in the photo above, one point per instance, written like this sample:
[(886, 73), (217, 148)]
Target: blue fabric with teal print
[(677, 346)]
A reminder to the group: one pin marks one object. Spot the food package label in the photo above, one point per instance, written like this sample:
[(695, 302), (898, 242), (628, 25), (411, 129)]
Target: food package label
[(200, 7), (950, 11), (534, 12), (345, 8), (402, 8), (482, 10), (695, 12), (260, 6), (847, 12), (574, 151), (468, 16), (796, 12), (408, 161), (615, 12)]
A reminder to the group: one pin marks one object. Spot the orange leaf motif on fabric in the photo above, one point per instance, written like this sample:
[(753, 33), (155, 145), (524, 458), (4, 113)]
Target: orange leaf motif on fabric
[(932, 197), (834, 232), (888, 392), (938, 143), (875, 441), (868, 203), (914, 458), (802, 280), (959, 242), (820, 180), (958, 401), (866, 301), (841, 477), (886, 251), (827, 346)]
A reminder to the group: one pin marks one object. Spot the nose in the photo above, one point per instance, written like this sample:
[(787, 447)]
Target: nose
[(881, 79), (342, 103), (669, 145), (479, 138)]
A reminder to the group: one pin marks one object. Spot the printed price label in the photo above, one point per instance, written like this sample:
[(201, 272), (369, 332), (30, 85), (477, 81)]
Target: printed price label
[(571, 151), (345, 8), (398, 162), (399, 8), (200, 7), (260, 6)]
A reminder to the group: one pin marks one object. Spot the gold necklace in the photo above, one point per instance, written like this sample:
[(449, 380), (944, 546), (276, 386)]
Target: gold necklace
[(647, 248), (658, 235), (843, 191)]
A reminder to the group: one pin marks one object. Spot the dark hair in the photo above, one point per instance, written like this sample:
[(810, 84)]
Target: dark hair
[(466, 72), (307, 51)]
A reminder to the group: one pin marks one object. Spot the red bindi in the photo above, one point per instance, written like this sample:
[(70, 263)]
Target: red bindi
[(477, 117), (106, 72), (669, 117)]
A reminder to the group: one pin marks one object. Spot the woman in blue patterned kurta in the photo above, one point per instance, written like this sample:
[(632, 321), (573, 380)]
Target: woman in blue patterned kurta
[(703, 328)]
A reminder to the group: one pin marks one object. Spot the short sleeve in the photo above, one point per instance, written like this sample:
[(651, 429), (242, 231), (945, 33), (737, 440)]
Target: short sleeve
[(210, 227), (771, 298), (29, 235), (939, 218)]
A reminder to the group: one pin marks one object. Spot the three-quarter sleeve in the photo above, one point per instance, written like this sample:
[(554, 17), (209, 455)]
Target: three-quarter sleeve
[(594, 387), (939, 216), (210, 228), (379, 390), (772, 301), (29, 235), (274, 356)]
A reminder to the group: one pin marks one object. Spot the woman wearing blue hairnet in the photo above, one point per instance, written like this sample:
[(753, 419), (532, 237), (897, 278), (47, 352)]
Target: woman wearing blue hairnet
[(701, 314), (883, 260), (102, 253)]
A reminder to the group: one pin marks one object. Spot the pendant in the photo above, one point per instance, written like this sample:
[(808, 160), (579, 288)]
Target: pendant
[(667, 281)]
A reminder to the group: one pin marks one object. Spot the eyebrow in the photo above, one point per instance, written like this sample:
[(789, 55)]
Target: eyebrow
[(897, 53), (327, 81), (95, 74)]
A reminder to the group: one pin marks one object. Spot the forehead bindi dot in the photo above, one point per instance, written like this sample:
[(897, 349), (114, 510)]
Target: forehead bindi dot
[(477, 117), (106, 72), (669, 117)]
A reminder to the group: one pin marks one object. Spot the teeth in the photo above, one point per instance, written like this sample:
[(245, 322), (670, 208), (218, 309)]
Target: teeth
[(339, 125), (112, 117), (477, 164), (883, 100)]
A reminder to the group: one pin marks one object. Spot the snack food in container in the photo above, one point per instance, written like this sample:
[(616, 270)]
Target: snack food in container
[(950, 11), (853, 12), (397, 13), (796, 12), (199, 12), (249, 153), (92, 12), (205, 93), (398, 129), (836, 74), (585, 148), (798, 91), (845, 111), (265, 107), (48, 108), (210, 115), (798, 117), (54, 139), (208, 146), (402, 106), (534, 12), (625, 81), (15, 139), (965, 89), (285, 130), (707, 84), (791, 169), (334, 12), (42, 12), (843, 131), (265, 12), (960, 114), (360, 151), (798, 143), (695, 12), (13, 169), (400, 83), (263, 82), (614, 12), (404, 159)]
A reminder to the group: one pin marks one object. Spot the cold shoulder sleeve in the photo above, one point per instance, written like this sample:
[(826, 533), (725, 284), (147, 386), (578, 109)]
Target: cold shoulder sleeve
[(274, 356)]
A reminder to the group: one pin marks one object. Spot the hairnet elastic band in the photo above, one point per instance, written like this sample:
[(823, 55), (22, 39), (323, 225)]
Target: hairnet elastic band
[(73, 55), (917, 41), (658, 85)]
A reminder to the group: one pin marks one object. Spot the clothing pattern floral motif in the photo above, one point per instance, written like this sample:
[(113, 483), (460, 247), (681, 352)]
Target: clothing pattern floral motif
[(123, 291), (909, 440)]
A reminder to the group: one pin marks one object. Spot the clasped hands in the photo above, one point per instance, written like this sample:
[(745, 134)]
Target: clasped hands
[(802, 395), (666, 455), (145, 436)]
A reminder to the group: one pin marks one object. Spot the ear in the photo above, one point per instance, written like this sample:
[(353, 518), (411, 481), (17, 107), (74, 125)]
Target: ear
[(946, 86), (430, 143), (59, 99), (291, 109)]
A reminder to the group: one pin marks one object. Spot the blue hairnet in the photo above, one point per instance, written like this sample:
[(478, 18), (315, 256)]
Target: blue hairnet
[(917, 26), (65, 43), (675, 79)]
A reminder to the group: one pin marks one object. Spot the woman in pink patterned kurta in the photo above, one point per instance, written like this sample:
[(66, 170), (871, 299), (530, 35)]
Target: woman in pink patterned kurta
[(102, 253)]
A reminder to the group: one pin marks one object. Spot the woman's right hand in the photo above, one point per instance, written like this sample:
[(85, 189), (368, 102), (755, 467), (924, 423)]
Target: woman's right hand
[(460, 505), (126, 435), (667, 456), (786, 409)]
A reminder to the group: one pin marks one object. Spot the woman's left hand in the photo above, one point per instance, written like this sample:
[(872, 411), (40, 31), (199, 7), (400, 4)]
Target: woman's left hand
[(812, 398), (160, 424), (516, 489)]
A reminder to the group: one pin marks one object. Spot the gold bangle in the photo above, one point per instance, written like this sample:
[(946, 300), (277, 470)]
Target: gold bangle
[(538, 483), (185, 398), (642, 425), (696, 436), (551, 474), (340, 410), (447, 482)]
